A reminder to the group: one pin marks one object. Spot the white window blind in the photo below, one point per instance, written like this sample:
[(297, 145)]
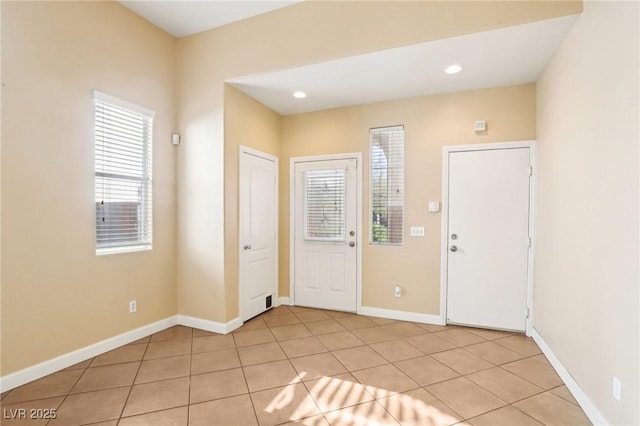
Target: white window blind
[(387, 185), (123, 141), (324, 205)]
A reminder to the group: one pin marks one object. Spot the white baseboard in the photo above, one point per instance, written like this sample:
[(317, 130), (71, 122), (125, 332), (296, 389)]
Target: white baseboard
[(213, 326), (284, 301), (45, 368), (589, 408), (401, 315)]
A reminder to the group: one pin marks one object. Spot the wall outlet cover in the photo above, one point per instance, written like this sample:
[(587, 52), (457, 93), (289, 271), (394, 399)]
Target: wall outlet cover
[(617, 389), (417, 231)]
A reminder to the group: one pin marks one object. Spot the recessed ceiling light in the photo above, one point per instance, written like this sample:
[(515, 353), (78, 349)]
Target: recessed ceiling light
[(453, 69), (299, 94)]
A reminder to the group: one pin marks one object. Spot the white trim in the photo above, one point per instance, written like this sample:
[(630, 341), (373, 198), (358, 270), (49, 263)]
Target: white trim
[(360, 167), (208, 325), (444, 234), (284, 301), (589, 408), (533, 161), (109, 99), (489, 146), (123, 249), (45, 368), (29, 374), (250, 151), (401, 315)]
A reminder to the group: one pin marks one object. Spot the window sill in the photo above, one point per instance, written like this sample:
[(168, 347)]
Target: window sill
[(126, 249)]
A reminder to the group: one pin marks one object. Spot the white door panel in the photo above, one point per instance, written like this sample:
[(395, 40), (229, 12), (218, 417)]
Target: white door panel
[(337, 270), (258, 226), (312, 272), (488, 227), (325, 255)]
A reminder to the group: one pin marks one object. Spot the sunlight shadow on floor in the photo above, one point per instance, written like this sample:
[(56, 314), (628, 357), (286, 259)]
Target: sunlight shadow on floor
[(343, 400)]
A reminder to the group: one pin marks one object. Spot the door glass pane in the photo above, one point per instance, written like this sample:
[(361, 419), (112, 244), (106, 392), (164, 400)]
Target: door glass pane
[(324, 205)]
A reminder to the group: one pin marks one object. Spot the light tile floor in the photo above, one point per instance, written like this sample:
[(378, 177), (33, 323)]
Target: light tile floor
[(309, 367)]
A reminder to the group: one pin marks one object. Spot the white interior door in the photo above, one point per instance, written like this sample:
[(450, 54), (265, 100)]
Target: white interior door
[(325, 252), (258, 214), (488, 238)]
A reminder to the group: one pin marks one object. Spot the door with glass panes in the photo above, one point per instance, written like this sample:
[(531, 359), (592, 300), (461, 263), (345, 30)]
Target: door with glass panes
[(325, 252)]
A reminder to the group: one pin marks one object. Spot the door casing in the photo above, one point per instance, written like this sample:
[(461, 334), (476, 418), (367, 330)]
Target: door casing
[(242, 290), (444, 237), (292, 163)]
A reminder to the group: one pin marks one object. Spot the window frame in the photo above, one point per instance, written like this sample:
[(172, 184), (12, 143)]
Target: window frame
[(372, 132), (145, 217)]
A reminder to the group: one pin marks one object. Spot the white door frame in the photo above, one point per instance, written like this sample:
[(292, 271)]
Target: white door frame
[(444, 237), (292, 163), (241, 285)]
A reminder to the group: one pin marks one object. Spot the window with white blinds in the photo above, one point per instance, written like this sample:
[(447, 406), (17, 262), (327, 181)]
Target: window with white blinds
[(123, 141), (387, 185), (325, 205)]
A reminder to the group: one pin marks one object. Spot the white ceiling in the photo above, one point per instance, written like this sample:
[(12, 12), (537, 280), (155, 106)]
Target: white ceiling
[(502, 57), (181, 18)]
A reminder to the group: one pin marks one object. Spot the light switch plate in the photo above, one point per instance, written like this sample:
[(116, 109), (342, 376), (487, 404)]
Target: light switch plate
[(434, 206), (417, 231)]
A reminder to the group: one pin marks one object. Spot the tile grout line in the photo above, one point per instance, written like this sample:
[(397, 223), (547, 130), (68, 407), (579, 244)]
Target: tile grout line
[(500, 408), (324, 414), (189, 389), (244, 376), (68, 393), (134, 380)]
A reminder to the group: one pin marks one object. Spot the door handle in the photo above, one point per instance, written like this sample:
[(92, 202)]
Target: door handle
[(453, 248), (247, 246), (352, 244)]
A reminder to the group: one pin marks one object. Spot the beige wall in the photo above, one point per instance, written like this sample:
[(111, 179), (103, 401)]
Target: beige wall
[(430, 123), (305, 33), (586, 272), (57, 295), (249, 123), (55, 53)]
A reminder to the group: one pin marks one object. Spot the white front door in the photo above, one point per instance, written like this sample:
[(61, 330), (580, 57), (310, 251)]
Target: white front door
[(325, 252), (488, 238), (258, 215)]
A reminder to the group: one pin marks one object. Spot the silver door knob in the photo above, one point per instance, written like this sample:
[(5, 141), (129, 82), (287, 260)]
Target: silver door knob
[(453, 248), (247, 246), (352, 244)]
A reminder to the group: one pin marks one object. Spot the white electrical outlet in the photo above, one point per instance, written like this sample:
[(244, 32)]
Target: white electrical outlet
[(617, 388), (417, 231), (133, 306), (397, 291)]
